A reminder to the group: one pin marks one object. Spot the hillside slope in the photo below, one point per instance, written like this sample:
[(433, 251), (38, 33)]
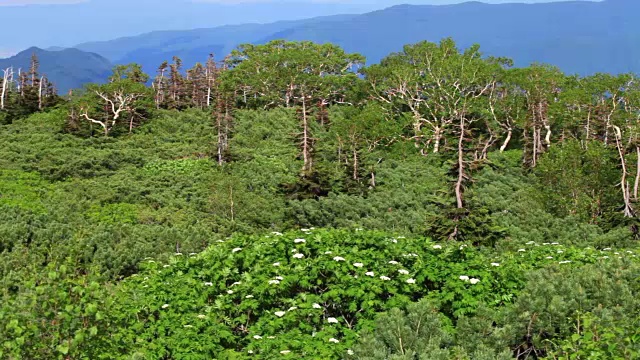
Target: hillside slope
[(67, 69), (577, 36)]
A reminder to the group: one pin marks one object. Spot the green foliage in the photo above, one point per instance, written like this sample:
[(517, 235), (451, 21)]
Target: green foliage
[(597, 339), (22, 190), (583, 180), (114, 214), (419, 333), (320, 294), (236, 289), (59, 314), (110, 108), (103, 224), (290, 73), (541, 320)]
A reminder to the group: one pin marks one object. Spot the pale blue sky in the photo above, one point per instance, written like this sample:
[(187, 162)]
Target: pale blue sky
[(69, 22)]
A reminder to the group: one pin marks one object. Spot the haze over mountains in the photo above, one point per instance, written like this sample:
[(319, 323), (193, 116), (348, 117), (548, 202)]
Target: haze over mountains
[(69, 22), (66, 68), (578, 36)]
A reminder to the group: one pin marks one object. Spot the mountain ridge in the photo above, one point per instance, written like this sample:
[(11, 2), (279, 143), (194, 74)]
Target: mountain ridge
[(67, 68), (573, 35), (582, 37)]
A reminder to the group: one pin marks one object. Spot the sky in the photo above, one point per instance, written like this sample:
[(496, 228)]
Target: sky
[(70, 22)]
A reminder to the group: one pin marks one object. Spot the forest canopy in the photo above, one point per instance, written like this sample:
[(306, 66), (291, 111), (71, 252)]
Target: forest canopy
[(290, 201)]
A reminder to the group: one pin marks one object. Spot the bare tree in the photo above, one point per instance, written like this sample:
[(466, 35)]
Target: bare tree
[(118, 103), (624, 183), (7, 80)]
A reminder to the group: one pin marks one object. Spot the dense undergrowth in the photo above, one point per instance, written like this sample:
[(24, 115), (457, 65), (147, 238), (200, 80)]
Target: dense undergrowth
[(305, 212), (79, 214)]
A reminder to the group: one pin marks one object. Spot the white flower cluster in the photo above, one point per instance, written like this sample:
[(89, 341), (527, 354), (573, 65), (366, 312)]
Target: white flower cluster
[(473, 281)]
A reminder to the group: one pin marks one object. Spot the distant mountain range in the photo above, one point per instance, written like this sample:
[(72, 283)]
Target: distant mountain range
[(578, 36), (151, 49), (66, 68)]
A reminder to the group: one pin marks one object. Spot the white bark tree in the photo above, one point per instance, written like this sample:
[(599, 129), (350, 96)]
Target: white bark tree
[(7, 80), (109, 104)]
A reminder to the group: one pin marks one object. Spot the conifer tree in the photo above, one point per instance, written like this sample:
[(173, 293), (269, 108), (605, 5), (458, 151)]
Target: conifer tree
[(176, 85), (160, 85), (198, 86)]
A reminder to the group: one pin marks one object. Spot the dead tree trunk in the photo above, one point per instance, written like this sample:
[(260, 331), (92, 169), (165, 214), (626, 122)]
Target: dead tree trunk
[(624, 184), (131, 119), (534, 158), (437, 136), (222, 118), (588, 128), (506, 140), (487, 145), (40, 93), (355, 163), (306, 138), (7, 76), (461, 175), (636, 184)]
